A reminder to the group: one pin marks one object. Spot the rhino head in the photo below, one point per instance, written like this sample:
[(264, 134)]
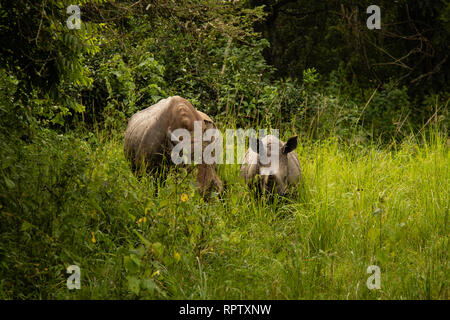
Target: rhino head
[(272, 178)]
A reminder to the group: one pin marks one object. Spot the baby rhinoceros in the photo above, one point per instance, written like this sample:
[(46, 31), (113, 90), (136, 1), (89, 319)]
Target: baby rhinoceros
[(271, 165)]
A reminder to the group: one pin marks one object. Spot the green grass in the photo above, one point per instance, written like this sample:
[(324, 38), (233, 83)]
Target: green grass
[(357, 206)]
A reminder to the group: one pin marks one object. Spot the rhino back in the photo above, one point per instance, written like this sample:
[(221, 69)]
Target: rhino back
[(146, 132)]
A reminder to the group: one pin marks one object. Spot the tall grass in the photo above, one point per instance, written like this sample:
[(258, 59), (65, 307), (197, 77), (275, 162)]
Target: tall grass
[(73, 200)]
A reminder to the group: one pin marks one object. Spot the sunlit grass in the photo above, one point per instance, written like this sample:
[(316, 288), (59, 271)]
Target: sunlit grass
[(356, 206)]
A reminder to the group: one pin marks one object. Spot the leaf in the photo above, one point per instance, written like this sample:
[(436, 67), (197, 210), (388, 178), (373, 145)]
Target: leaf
[(177, 256), (134, 285), (131, 263), (9, 183), (25, 226), (158, 248), (149, 285), (163, 203), (144, 241)]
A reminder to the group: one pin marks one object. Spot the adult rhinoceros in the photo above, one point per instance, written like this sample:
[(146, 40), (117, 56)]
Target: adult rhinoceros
[(148, 137)]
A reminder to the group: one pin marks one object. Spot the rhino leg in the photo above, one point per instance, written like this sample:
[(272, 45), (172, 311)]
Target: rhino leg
[(207, 178)]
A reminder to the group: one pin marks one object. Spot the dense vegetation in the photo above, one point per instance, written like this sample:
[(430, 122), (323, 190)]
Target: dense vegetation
[(370, 108)]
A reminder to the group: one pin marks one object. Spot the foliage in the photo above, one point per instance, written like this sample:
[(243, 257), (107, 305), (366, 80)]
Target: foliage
[(370, 108), (73, 200), (410, 47), (46, 56)]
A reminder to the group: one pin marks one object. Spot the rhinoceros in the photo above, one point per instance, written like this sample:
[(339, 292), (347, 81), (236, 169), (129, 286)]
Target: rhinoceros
[(148, 137), (269, 179)]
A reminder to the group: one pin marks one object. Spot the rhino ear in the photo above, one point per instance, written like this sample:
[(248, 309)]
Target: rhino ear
[(256, 145), (208, 124), (290, 145)]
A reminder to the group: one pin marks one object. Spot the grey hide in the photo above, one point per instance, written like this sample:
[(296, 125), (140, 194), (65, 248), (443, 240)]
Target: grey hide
[(288, 173), (147, 136)]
